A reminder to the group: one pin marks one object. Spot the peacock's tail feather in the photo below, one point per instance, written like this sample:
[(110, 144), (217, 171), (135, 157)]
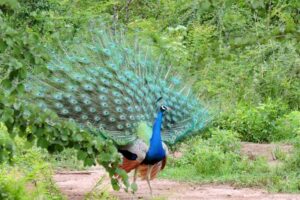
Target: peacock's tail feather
[(109, 84)]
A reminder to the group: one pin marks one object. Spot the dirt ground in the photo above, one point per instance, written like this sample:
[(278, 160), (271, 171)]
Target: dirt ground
[(76, 184), (253, 150)]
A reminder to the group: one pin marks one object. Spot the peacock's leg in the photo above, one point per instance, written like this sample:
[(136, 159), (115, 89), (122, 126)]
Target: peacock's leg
[(149, 169), (135, 175), (133, 185)]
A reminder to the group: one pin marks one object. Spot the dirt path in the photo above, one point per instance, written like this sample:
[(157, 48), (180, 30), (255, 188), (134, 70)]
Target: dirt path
[(76, 184)]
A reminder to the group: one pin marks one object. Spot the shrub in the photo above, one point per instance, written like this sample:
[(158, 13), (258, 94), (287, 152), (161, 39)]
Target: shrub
[(218, 159), (7, 146), (293, 162), (11, 188), (30, 177), (254, 124), (67, 159), (217, 155), (287, 127)]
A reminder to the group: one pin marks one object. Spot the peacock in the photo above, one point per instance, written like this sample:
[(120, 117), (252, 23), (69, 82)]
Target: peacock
[(117, 86)]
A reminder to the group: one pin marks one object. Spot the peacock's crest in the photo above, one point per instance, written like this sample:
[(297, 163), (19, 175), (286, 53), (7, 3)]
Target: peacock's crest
[(108, 84)]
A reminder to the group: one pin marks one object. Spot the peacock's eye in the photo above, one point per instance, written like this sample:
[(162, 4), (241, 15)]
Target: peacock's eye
[(164, 108)]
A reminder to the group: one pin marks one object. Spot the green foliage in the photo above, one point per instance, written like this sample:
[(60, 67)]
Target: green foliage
[(235, 50), (7, 146), (293, 162), (216, 155), (29, 177), (21, 51), (99, 191), (264, 123), (66, 159), (279, 154), (255, 124), (218, 159), (10, 188), (287, 127)]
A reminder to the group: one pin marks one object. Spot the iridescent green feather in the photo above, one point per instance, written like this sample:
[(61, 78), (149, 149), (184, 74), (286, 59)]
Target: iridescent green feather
[(144, 132)]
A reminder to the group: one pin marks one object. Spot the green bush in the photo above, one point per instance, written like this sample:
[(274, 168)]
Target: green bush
[(7, 146), (218, 159), (254, 124), (67, 159), (18, 183), (287, 127), (12, 188), (217, 155), (23, 50), (30, 177), (293, 162)]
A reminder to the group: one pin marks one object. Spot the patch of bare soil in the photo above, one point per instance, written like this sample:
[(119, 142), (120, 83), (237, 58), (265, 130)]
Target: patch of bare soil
[(75, 184), (254, 150)]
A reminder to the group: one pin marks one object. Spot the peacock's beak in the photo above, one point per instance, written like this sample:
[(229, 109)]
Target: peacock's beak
[(168, 108)]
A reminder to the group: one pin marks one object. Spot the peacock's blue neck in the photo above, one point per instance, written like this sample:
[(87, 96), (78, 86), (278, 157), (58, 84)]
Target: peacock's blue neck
[(156, 152)]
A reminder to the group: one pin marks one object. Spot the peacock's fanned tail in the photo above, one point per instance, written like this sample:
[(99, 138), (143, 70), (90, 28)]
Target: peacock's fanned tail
[(111, 85)]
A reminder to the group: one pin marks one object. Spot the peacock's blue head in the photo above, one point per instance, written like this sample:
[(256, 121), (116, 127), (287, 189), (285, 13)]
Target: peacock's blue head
[(164, 108)]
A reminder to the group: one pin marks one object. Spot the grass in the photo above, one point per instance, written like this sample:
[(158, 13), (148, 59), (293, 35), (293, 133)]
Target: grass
[(99, 192), (29, 173), (211, 161), (28, 176), (274, 180), (66, 159)]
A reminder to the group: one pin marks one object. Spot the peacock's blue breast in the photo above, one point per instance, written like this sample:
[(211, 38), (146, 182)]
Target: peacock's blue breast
[(154, 156)]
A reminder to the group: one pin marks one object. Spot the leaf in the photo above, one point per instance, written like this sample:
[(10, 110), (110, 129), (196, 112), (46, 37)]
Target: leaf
[(42, 142), (115, 184), (134, 187), (81, 155), (2, 46), (13, 4), (7, 115), (77, 137), (89, 161), (6, 84)]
